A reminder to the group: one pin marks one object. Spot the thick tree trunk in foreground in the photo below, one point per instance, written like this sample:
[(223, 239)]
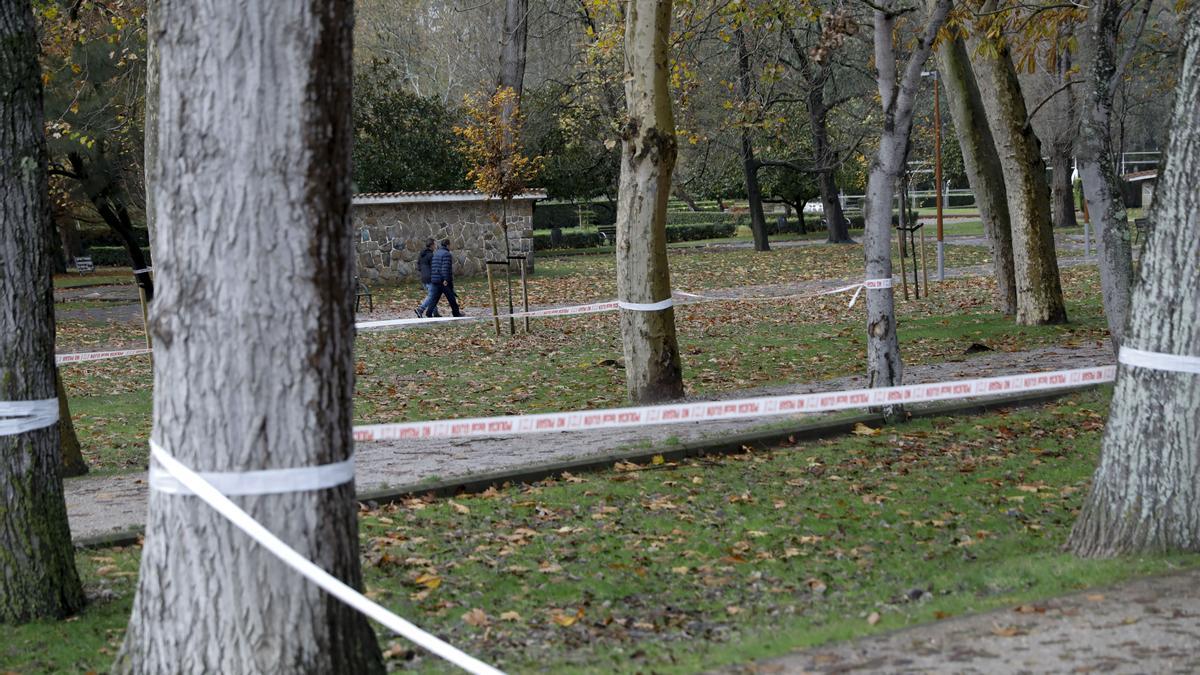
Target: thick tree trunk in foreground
[(1098, 165), (72, 454), (1039, 291), (1146, 492), (37, 560), (884, 367), (255, 250), (1062, 193), (652, 367), (150, 146), (750, 165), (982, 164)]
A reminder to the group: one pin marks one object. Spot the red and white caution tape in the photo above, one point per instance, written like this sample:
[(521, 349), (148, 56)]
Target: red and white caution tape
[(60, 359), (18, 417), (675, 413), (196, 485)]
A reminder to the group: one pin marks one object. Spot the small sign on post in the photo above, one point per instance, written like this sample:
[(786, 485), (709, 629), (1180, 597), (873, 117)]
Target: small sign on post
[(84, 264)]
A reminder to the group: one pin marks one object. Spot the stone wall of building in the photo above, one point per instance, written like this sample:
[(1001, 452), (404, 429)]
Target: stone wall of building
[(390, 236)]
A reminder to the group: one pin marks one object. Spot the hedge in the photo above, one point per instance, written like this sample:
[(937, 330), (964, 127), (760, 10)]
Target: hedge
[(112, 256), (104, 236), (675, 233), (546, 216)]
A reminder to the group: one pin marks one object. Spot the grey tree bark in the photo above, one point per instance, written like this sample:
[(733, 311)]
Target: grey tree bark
[(1102, 70), (897, 94), (982, 164), (652, 365), (150, 145), (1062, 192), (72, 454), (750, 165), (512, 55), (253, 330), (1145, 494), (1039, 290), (37, 561)]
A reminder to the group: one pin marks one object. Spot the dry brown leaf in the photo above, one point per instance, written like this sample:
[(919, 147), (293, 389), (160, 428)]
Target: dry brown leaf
[(510, 616), (861, 429), (459, 507), (476, 617), (873, 618)]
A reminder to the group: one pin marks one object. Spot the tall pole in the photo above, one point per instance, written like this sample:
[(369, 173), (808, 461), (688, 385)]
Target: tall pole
[(937, 175)]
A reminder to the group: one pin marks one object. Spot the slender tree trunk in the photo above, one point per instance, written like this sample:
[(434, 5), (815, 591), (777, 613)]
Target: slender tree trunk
[(72, 455), (835, 220), (260, 257), (682, 195), (982, 164), (37, 561), (1039, 291), (750, 165), (652, 365), (1062, 193), (512, 51), (1144, 494), (1098, 164), (896, 93)]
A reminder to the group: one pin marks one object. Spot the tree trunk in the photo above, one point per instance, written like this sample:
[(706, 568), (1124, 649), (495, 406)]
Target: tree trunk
[(982, 164), (255, 250), (37, 561), (512, 51), (682, 195), (1039, 291), (884, 367), (835, 220), (1144, 496), (1062, 193), (150, 149), (1098, 164), (72, 455), (116, 216), (652, 365), (750, 166)]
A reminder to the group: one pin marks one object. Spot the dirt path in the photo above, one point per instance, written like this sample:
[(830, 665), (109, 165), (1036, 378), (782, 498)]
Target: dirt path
[(1149, 625), (100, 504)]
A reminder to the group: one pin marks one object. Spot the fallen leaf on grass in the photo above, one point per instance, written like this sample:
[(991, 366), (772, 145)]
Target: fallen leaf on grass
[(1030, 609), (733, 610), (816, 586), (476, 617), (459, 507), (564, 619), (861, 429), (430, 581), (1095, 597), (680, 570), (1006, 631), (873, 618), (510, 616)]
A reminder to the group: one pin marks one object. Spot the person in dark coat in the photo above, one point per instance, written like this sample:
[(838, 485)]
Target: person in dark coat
[(442, 276), (428, 307)]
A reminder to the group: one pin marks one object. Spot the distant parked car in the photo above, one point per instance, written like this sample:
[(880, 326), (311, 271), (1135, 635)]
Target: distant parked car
[(815, 206)]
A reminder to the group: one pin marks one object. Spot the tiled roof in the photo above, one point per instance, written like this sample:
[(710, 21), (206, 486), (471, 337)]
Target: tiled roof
[(1140, 176), (428, 196)]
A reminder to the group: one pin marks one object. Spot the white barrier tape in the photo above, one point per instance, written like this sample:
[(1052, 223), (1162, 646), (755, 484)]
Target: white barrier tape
[(242, 520), (870, 285), (263, 482), (646, 306), (734, 409), (18, 417), (569, 310), (144, 269), (1159, 361), (96, 356)]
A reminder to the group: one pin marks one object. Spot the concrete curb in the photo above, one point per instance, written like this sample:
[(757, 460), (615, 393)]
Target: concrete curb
[(725, 445)]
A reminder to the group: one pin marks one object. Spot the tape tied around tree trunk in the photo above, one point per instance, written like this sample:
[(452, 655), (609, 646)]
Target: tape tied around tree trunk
[(18, 417), (143, 270), (1174, 363), (870, 285), (195, 483), (262, 482), (647, 306)]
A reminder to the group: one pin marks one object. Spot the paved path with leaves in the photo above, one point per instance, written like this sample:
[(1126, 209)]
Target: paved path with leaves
[(101, 504), (1149, 625)]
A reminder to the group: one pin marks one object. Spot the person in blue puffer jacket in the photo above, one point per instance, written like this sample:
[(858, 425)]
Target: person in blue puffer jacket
[(442, 277), (425, 268)]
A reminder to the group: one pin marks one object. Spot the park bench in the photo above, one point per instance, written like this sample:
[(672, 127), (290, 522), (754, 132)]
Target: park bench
[(362, 291), (1141, 229), (608, 234)]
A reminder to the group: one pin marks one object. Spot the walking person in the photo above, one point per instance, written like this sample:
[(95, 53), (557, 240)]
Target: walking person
[(428, 307), (442, 276)]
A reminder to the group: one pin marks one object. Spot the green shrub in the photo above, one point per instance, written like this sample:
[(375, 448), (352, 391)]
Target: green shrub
[(102, 235), (546, 216), (112, 256), (675, 233)]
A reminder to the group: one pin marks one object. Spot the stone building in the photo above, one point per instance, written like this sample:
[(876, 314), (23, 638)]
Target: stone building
[(391, 229)]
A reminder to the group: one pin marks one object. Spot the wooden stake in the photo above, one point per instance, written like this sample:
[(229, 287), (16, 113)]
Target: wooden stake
[(145, 316), (900, 237), (525, 292), (924, 263), (492, 289)]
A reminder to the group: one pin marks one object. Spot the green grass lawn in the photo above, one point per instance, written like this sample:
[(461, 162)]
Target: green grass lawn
[(103, 276), (682, 567)]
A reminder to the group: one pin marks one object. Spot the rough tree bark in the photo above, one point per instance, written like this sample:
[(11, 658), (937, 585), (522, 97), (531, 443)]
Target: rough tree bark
[(1062, 193), (512, 52), (150, 145), (982, 164), (652, 365), (37, 561), (1039, 290), (1146, 491), (255, 250), (750, 165), (72, 453), (897, 95), (1102, 70)]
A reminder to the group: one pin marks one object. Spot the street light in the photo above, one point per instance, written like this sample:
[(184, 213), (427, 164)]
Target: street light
[(937, 170)]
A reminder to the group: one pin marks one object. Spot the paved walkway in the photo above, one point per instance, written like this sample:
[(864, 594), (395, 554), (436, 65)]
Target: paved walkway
[(1149, 625), (101, 504)]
